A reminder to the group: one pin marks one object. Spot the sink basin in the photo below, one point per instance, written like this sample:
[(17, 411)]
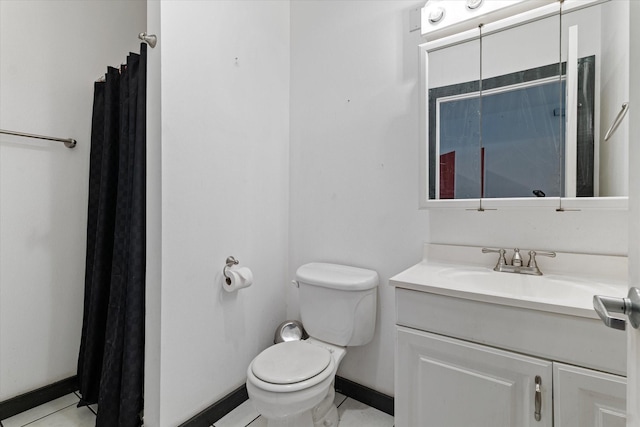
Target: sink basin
[(550, 292)]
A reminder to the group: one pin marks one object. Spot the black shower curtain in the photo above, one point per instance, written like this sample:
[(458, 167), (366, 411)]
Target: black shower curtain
[(111, 357)]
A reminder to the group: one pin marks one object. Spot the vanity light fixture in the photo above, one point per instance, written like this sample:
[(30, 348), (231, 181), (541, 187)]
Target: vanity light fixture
[(474, 4), (436, 15), (462, 16)]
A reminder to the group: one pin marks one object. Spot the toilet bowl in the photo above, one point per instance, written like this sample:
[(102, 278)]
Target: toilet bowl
[(291, 383)]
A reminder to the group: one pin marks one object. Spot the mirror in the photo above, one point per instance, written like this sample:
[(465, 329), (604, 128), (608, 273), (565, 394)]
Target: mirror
[(600, 34), (507, 118), (454, 104), (522, 111)]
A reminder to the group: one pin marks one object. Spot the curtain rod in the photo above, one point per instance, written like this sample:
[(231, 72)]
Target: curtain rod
[(68, 142)]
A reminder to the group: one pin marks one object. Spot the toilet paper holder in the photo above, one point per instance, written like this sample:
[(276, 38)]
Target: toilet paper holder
[(231, 261)]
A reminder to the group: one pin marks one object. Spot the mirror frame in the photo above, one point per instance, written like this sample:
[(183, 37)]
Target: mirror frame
[(480, 204)]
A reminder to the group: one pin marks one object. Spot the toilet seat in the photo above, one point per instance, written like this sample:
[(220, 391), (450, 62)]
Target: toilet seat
[(291, 366), (290, 362)]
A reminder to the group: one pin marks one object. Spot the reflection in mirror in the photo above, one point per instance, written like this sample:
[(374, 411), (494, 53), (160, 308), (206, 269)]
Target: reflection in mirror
[(453, 101), (457, 138), (522, 134), (523, 111), (601, 32), (512, 141)]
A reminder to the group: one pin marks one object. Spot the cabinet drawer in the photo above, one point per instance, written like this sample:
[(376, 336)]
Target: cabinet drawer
[(574, 340)]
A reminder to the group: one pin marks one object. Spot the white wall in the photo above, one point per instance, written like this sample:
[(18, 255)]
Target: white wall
[(50, 54), (599, 232), (224, 191), (153, 302), (354, 154)]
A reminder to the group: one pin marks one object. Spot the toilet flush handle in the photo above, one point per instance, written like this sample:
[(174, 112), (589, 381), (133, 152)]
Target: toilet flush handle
[(295, 283)]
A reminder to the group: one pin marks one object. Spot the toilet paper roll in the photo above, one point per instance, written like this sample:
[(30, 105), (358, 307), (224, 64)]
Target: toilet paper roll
[(237, 279)]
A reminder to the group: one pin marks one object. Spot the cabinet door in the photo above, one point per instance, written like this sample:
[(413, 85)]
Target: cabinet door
[(586, 398), (444, 382)]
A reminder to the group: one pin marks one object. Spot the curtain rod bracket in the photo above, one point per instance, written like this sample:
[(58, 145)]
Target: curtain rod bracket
[(150, 39)]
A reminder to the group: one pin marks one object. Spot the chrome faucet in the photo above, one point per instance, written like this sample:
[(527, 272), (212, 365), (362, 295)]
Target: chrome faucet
[(516, 265)]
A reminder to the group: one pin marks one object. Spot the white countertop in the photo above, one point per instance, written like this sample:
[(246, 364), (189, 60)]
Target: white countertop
[(557, 292)]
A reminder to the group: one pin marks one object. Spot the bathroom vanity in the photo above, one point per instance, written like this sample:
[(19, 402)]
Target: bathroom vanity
[(518, 109), (476, 347)]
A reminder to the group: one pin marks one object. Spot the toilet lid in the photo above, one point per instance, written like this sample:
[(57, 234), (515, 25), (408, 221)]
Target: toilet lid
[(290, 362)]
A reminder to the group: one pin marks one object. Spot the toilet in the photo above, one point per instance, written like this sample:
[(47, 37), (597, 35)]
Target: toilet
[(291, 383)]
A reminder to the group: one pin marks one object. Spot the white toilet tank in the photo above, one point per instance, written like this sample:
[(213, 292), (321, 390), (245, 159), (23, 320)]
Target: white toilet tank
[(338, 303)]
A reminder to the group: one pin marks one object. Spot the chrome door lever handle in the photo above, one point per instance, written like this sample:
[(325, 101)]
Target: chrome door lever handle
[(604, 305), (629, 306)]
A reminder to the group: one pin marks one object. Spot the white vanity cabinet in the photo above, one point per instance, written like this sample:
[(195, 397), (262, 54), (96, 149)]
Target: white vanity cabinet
[(448, 382), (462, 362), (584, 397)]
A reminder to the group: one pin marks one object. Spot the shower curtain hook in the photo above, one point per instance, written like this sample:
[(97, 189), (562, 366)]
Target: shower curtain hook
[(150, 39)]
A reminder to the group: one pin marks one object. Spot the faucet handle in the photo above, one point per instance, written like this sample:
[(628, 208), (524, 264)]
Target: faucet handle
[(502, 261), (492, 250), (532, 257)]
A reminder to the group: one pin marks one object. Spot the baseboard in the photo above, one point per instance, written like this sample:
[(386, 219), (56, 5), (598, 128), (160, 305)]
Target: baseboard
[(26, 401), (206, 418), (366, 395), (219, 409), (363, 394)]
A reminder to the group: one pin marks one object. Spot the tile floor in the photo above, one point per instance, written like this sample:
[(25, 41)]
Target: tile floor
[(63, 412), (351, 412)]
